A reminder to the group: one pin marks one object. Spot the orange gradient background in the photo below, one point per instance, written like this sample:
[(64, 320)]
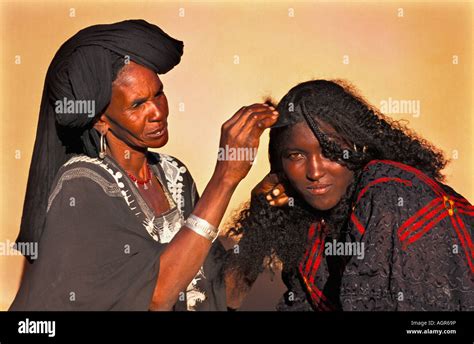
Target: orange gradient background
[(277, 46)]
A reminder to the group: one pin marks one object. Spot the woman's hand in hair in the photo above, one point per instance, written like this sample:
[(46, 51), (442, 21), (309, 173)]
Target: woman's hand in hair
[(240, 137), (272, 187)]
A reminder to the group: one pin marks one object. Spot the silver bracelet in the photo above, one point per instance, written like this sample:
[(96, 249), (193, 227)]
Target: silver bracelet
[(201, 227)]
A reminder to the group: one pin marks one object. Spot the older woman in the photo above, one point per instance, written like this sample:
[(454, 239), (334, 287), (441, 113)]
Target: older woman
[(357, 212), (118, 227)]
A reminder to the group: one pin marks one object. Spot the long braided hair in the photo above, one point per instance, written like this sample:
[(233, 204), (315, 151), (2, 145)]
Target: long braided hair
[(270, 235)]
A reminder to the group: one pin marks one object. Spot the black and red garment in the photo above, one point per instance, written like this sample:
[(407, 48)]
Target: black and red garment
[(418, 254)]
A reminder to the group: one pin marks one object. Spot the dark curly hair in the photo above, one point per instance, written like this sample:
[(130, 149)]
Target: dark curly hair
[(277, 235)]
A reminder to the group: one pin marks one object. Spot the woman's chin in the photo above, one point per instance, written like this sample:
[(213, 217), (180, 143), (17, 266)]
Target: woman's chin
[(321, 204)]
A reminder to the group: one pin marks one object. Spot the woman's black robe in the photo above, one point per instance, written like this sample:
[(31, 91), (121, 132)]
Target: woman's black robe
[(101, 243)]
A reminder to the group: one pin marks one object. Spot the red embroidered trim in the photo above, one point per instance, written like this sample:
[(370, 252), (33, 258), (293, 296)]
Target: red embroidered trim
[(450, 206), (309, 267)]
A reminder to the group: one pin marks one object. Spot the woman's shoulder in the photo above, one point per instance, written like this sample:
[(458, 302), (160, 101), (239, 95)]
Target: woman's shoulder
[(83, 167), (399, 192), (387, 175), (81, 172), (389, 168)]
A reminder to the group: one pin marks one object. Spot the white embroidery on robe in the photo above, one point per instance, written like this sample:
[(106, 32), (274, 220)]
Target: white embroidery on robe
[(150, 228), (170, 227), (194, 295), (174, 178)]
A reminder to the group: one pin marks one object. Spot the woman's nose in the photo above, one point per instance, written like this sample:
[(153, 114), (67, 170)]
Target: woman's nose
[(315, 169), (157, 111)]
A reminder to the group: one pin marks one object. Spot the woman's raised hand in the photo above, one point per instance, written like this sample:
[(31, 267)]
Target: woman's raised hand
[(240, 137)]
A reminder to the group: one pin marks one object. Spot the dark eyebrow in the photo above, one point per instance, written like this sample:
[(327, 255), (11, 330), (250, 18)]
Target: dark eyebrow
[(139, 101)]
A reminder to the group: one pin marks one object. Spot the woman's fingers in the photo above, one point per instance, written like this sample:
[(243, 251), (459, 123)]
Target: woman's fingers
[(277, 196), (258, 121), (279, 201), (233, 119), (243, 122), (278, 190), (258, 112), (244, 112)]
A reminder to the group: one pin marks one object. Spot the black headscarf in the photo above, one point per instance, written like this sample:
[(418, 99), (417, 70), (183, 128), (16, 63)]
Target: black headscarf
[(84, 69)]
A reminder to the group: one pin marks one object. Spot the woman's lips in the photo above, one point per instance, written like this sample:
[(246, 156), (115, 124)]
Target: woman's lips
[(157, 132), (320, 189)]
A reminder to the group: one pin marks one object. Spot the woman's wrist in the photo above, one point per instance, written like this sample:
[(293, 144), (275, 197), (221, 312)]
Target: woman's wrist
[(225, 182)]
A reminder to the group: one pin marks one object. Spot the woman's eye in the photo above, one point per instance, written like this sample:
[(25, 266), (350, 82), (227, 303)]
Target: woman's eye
[(136, 105), (295, 156)]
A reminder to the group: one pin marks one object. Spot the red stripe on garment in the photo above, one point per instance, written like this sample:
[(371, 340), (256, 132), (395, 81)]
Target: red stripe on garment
[(418, 214), (382, 180), (462, 200), (314, 292), (421, 221), (413, 170), (467, 235), (311, 232), (314, 270), (464, 208), (463, 244), (317, 296), (312, 251), (312, 255), (430, 225), (357, 224), (434, 185), (467, 207), (316, 264), (323, 303)]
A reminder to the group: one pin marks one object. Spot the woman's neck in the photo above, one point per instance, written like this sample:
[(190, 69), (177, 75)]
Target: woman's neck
[(131, 159)]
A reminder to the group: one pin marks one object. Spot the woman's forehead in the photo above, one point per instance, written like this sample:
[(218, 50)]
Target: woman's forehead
[(137, 80), (301, 135), (134, 74)]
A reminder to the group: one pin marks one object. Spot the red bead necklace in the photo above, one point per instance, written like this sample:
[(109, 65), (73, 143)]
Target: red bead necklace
[(143, 182)]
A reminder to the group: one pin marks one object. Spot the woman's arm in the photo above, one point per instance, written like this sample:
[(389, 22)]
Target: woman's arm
[(186, 253)]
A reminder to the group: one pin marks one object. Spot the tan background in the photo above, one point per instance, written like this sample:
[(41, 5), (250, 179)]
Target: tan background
[(407, 57)]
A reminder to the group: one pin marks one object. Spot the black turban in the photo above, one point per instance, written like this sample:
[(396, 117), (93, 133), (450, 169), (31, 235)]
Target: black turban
[(83, 69)]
